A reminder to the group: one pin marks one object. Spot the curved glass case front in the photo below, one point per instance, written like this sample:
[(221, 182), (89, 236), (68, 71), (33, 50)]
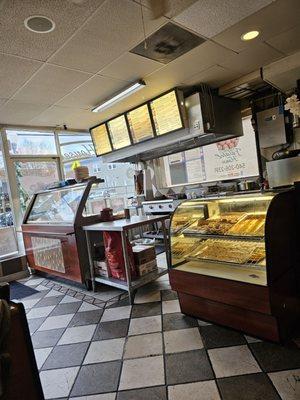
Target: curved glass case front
[(222, 237), (56, 206)]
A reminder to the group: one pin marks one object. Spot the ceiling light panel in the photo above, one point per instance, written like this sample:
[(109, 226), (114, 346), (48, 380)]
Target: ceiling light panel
[(250, 35), (120, 96)]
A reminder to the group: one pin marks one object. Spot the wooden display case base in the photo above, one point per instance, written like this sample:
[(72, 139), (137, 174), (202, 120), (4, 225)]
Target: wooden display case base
[(269, 313), (252, 323)]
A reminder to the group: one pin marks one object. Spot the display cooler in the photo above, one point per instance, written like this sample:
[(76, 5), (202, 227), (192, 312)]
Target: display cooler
[(235, 261), (52, 228)]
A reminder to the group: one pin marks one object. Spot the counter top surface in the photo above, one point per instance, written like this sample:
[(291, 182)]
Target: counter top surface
[(125, 224)]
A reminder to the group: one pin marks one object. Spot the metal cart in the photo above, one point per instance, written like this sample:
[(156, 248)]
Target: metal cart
[(124, 226)]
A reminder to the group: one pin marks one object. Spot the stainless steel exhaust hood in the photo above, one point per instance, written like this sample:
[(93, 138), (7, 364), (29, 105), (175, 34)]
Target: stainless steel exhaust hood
[(281, 75), (211, 119)]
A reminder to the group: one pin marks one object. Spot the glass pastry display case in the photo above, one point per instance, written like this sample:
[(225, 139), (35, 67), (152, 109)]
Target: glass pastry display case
[(52, 228), (232, 256)]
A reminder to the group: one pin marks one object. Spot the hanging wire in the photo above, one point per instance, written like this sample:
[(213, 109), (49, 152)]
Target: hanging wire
[(143, 25)]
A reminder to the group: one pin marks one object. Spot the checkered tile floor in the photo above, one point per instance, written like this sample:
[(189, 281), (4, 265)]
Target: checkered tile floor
[(150, 351)]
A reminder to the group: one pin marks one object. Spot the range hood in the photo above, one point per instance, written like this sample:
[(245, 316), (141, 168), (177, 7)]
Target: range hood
[(281, 75), (209, 119)]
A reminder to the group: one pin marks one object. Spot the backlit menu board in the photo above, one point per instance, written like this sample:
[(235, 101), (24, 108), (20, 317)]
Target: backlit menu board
[(101, 140), (166, 113), (118, 132), (140, 124)]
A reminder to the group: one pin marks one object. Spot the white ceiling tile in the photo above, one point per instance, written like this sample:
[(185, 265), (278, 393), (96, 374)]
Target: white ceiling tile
[(92, 92), (210, 17), (14, 72), (288, 41), (115, 28), (193, 62), (16, 112), (252, 58), (50, 84), (132, 101), (52, 116), (214, 76), (278, 17), (66, 15), (171, 7), (73, 117), (2, 101), (82, 119), (130, 67)]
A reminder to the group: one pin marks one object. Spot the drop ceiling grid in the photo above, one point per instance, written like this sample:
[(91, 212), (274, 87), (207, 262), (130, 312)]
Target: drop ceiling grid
[(209, 18), (271, 20), (137, 97), (119, 25), (67, 16), (48, 62), (99, 4)]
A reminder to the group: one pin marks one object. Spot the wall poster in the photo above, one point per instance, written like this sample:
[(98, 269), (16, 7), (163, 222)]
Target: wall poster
[(225, 160)]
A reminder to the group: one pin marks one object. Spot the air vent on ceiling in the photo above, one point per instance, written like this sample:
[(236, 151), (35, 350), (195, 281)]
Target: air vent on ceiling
[(39, 24), (168, 43)]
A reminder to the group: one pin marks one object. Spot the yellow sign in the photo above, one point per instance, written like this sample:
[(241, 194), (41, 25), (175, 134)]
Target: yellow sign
[(166, 113), (140, 124), (118, 132), (101, 140)]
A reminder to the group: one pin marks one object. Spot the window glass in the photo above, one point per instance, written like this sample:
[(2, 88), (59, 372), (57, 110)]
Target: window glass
[(114, 174), (33, 176), (99, 198), (8, 242), (31, 143), (58, 206), (76, 146)]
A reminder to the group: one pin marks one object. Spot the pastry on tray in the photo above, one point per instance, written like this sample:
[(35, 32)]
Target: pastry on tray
[(216, 225), (249, 225), (184, 246), (240, 252)]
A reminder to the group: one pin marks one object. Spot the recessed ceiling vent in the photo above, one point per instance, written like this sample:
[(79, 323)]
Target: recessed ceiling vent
[(168, 43), (39, 24)]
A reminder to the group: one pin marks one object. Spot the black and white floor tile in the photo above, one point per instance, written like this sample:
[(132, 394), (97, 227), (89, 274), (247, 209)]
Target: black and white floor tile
[(150, 351)]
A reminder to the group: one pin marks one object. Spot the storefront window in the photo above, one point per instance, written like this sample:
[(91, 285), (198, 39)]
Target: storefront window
[(75, 146), (33, 176), (31, 143), (118, 177), (8, 242)]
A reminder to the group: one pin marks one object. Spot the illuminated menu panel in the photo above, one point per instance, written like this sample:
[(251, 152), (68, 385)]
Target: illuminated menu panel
[(166, 113), (140, 124), (118, 132), (101, 140)]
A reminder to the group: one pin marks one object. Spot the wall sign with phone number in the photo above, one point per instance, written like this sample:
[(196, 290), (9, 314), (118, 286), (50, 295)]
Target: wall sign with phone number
[(230, 159)]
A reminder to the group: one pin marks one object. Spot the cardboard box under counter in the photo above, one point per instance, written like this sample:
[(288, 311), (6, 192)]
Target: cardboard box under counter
[(143, 254), (145, 268), (101, 268)]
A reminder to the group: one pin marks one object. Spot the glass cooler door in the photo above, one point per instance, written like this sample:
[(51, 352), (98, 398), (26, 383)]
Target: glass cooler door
[(226, 240)]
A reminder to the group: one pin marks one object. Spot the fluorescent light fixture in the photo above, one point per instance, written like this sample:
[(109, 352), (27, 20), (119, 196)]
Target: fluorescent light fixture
[(249, 35), (120, 96)]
